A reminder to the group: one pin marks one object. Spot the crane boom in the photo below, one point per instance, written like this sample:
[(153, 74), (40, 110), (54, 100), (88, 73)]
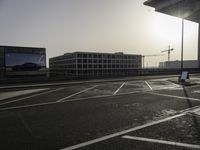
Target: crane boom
[(168, 51), (154, 55)]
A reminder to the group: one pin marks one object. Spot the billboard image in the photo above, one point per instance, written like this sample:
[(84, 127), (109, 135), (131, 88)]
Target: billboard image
[(24, 61)]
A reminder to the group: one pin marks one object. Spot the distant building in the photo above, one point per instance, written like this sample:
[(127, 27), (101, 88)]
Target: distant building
[(89, 64), (177, 64), (22, 61)]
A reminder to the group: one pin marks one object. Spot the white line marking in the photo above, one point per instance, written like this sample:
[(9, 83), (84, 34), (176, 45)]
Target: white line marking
[(197, 91), (93, 97), (119, 89), (121, 133), (173, 96), (161, 142), (71, 100), (174, 83), (100, 96), (20, 99), (148, 85), (13, 94), (62, 99), (79, 99)]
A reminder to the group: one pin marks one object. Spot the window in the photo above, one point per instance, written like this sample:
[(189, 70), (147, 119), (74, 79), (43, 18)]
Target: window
[(84, 55), (79, 55), (79, 60), (84, 66), (79, 66), (90, 55), (84, 60), (99, 56), (90, 66), (95, 61), (90, 60)]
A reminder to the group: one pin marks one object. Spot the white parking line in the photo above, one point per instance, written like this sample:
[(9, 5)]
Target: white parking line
[(20, 99), (173, 96), (176, 85), (119, 89), (196, 91), (77, 99), (121, 132), (148, 85), (62, 99), (70, 100), (100, 96), (162, 142)]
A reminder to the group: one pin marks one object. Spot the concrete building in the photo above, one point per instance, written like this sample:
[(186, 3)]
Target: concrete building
[(185, 9), (89, 64), (22, 61), (188, 64)]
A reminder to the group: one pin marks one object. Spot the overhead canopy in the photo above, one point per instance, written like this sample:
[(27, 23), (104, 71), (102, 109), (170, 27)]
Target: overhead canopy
[(187, 9)]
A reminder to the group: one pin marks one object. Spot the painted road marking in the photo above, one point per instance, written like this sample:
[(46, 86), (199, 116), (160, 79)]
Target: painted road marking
[(188, 110), (183, 113), (119, 88), (87, 98), (100, 96), (20, 99), (121, 133), (163, 86), (161, 142), (173, 96), (80, 82), (196, 91), (71, 100), (176, 85), (62, 99), (148, 85), (12, 94), (67, 83)]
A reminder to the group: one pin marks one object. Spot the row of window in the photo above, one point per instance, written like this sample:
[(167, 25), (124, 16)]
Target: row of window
[(93, 71), (84, 67), (80, 55), (107, 61), (108, 66), (95, 61)]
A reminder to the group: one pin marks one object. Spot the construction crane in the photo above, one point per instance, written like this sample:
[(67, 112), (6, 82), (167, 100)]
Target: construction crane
[(155, 55), (168, 51)]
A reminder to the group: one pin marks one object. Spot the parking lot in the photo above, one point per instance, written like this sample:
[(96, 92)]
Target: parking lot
[(148, 113)]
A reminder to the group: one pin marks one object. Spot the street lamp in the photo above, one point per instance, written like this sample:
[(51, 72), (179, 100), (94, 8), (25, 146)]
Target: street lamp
[(183, 75), (182, 40)]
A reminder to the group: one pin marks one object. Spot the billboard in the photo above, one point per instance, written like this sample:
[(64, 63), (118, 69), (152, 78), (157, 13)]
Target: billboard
[(24, 61)]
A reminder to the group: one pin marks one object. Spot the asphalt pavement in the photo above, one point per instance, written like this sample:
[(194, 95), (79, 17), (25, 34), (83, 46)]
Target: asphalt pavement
[(123, 114)]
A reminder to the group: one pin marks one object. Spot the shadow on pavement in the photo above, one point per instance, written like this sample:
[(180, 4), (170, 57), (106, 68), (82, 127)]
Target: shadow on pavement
[(194, 118)]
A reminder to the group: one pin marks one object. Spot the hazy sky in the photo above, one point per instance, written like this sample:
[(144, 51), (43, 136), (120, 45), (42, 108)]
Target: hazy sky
[(94, 25)]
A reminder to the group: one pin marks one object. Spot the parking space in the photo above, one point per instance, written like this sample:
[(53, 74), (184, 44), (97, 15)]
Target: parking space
[(100, 90), (189, 92), (51, 95), (145, 114)]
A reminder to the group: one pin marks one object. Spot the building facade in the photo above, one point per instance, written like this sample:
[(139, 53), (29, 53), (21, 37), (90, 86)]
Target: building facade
[(22, 61), (177, 64), (89, 64)]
